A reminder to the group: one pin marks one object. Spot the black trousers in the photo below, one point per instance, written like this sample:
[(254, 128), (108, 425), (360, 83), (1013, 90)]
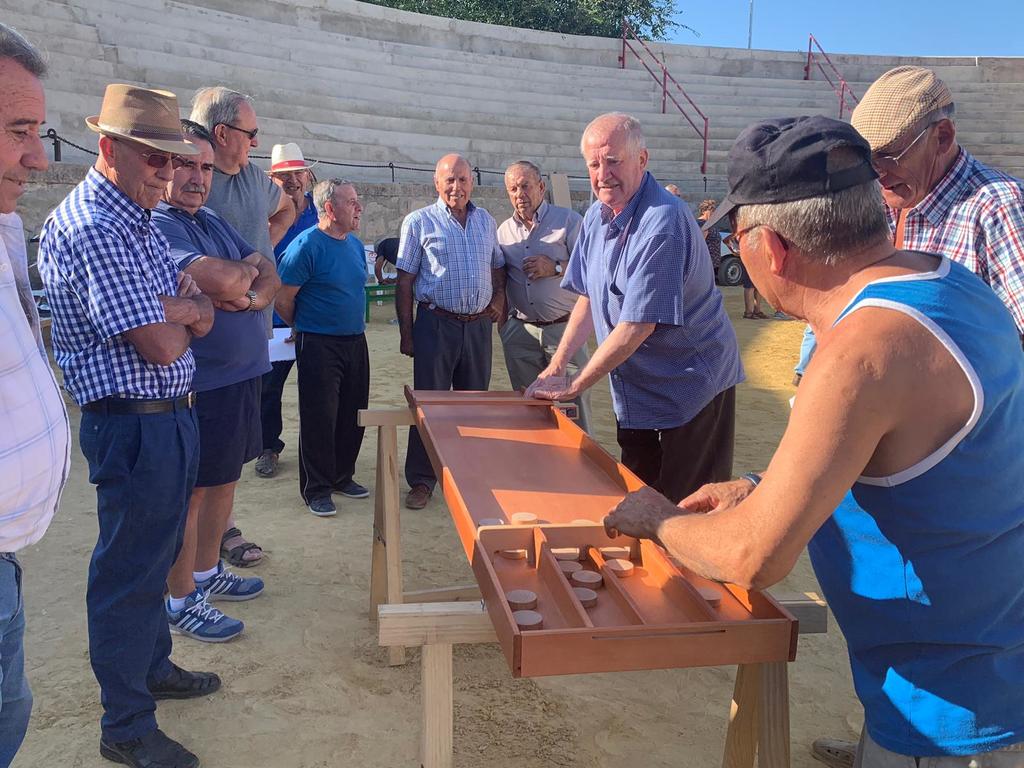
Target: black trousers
[(334, 384), (270, 404), (449, 354), (678, 461)]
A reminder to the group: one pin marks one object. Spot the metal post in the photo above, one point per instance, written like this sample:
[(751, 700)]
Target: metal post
[(842, 97), (51, 134), (704, 159), (750, 26), (392, 167), (622, 58), (807, 66), (479, 178), (664, 87)]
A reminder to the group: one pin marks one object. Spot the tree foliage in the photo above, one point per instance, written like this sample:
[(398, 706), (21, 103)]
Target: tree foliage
[(651, 19)]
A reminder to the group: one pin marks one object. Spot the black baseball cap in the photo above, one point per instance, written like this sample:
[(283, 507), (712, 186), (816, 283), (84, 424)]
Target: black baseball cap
[(786, 159)]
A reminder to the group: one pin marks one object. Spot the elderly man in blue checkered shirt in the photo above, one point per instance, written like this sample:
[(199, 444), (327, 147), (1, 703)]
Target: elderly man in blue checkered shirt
[(450, 262), (123, 319), (647, 288)]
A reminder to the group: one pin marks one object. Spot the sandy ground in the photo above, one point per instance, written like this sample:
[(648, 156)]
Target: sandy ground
[(305, 686)]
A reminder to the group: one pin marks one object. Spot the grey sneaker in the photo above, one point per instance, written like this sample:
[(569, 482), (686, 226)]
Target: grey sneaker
[(323, 507), (266, 464)]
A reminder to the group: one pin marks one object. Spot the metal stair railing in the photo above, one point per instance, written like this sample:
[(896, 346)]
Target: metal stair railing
[(840, 86)]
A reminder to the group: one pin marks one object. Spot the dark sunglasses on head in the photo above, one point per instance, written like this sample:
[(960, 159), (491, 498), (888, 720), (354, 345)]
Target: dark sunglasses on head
[(251, 134)]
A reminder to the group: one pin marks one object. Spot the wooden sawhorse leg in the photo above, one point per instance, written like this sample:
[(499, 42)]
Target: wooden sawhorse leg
[(759, 717)]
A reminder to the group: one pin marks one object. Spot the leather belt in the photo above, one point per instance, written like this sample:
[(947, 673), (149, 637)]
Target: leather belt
[(119, 406), (453, 315), (546, 323)]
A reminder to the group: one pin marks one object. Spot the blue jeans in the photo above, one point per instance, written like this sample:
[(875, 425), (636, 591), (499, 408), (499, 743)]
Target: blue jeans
[(15, 696), (143, 468)]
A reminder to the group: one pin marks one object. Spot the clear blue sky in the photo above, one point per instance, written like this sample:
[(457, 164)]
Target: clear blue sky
[(907, 27)]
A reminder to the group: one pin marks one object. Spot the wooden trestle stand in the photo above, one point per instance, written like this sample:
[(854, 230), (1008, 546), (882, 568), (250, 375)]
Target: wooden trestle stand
[(436, 619)]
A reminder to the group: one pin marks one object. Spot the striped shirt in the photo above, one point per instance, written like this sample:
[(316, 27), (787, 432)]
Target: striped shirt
[(974, 216), (35, 437), (105, 266), (649, 264), (452, 263)]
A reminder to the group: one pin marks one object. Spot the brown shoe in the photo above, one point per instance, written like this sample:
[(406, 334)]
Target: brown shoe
[(834, 753), (418, 497)]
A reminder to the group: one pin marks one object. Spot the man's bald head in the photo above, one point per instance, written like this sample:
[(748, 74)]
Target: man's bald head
[(453, 180)]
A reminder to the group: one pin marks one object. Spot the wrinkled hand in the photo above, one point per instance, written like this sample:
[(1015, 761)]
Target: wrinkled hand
[(235, 305), (405, 346), (187, 287), (539, 266), (553, 388), (291, 338), (715, 497), (640, 515), (496, 311), (547, 373)]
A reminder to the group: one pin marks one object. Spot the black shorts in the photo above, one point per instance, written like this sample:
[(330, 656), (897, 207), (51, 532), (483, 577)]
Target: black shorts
[(747, 282), (229, 431)]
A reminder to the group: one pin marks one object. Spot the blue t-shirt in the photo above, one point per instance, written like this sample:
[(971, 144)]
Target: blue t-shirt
[(923, 568), (235, 349), (330, 274), (649, 264)]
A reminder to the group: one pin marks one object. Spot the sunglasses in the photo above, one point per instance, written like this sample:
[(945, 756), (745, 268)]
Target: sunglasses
[(732, 240), (154, 159), (251, 134), (190, 165)]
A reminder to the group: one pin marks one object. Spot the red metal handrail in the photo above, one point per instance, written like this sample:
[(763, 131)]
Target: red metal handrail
[(664, 79), (842, 88)]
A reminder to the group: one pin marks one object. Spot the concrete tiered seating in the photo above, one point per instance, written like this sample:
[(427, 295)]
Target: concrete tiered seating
[(368, 85)]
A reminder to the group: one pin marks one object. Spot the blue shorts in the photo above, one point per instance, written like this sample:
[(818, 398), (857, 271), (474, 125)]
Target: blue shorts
[(229, 431)]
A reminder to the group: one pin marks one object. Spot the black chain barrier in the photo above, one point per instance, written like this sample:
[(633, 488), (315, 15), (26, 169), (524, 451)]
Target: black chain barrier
[(57, 140)]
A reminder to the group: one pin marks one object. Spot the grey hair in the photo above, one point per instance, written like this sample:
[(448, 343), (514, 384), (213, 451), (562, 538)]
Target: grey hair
[(526, 164), (324, 191), (217, 105), (828, 228), (16, 48), (190, 129), (627, 123), (942, 113)]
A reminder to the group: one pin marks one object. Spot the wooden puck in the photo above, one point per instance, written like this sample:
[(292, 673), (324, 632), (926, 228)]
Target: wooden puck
[(523, 518), (490, 521), (570, 566), (566, 553), (528, 619), (587, 579), (612, 553), (587, 597), (711, 594), (621, 568), (513, 554), (521, 599), (581, 521)]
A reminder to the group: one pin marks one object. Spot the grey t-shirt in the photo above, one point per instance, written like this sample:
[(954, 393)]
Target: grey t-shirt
[(246, 201)]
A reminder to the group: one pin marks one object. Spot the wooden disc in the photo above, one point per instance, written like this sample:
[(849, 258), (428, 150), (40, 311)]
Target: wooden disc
[(524, 518), (613, 553), (521, 599), (587, 597), (513, 554), (566, 553), (528, 619), (570, 566), (587, 579), (581, 521), (621, 568), (490, 521)]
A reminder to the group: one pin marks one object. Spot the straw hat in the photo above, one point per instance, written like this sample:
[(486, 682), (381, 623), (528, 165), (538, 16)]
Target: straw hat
[(288, 157), (142, 115)]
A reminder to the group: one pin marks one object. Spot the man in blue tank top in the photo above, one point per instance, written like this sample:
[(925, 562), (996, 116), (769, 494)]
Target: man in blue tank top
[(901, 466)]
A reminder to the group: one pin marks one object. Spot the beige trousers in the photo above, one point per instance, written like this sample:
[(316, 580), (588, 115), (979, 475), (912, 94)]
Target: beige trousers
[(870, 755)]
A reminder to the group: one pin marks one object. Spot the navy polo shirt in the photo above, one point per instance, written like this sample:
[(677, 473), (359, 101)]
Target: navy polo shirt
[(235, 349), (330, 274)]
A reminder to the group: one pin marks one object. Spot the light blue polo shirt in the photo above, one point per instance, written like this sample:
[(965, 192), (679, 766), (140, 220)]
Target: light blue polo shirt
[(330, 274)]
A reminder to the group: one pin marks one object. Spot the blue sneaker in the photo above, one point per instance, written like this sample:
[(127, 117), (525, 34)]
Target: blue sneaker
[(322, 506), (225, 585), (353, 490), (202, 621)]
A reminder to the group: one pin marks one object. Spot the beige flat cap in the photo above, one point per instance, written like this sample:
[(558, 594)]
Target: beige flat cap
[(894, 104)]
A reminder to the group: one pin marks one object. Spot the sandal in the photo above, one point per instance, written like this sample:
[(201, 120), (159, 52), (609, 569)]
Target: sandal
[(236, 555), (749, 316), (759, 315)]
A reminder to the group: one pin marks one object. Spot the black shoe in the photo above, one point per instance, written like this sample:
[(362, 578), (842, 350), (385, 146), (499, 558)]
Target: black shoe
[(182, 684), (154, 750)]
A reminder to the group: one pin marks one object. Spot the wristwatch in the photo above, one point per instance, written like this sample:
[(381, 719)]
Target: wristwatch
[(252, 300), (558, 267)]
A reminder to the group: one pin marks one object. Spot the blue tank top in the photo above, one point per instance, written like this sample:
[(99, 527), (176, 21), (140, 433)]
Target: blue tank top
[(924, 569)]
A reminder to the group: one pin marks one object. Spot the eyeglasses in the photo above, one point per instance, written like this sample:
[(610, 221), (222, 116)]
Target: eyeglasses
[(889, 163), (251, 134), (732, 240), (154, 159), (190, 165)]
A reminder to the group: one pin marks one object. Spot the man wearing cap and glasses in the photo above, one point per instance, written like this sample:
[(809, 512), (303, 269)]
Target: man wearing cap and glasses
[(123, 319), (290, 171), (900, 466), (245, 197), (647, 287)]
